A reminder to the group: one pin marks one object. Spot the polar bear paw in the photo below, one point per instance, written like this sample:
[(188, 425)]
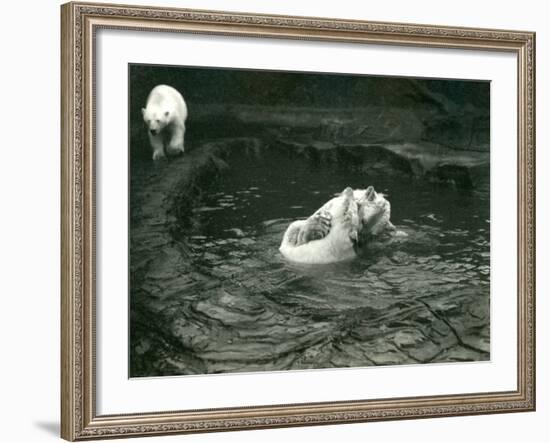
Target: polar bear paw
[(157, 155), (315, 227), (175, 148)]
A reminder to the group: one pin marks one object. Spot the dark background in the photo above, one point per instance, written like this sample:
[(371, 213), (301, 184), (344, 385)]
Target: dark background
[(235, 102), (275, 88)]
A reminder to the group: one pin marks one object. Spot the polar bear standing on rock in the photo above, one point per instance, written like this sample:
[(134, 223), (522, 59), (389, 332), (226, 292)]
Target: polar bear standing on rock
[(165, 116)]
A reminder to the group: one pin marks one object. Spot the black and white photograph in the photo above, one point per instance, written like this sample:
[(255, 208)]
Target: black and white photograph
[(275, 221), (286, 220)]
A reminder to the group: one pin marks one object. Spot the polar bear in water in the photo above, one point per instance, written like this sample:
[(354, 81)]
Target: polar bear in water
[(333, 232)]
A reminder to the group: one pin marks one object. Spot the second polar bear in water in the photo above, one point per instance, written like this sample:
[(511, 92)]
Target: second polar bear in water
[(332, 233), (165, 115)]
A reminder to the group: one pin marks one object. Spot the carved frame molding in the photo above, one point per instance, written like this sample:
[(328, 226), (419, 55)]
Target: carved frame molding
[(79, 23)]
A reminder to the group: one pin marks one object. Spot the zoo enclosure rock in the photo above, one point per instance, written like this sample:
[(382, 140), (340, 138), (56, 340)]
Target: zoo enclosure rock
[(465, 129), (436, 163)]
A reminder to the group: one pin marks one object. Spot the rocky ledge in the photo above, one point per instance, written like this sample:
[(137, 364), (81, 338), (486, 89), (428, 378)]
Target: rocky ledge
[(437, 163)]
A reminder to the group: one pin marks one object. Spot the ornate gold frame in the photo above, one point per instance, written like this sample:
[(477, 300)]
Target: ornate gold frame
[(79, 21)]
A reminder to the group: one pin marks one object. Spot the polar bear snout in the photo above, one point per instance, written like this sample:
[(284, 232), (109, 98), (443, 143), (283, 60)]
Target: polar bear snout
[(153, 131)]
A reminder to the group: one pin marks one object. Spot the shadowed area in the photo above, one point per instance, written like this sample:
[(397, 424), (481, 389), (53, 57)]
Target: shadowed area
[(51, 428)]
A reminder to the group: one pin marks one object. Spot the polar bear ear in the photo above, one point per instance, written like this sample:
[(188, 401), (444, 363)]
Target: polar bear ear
[(370, 193), (143, 111), (347, 192)]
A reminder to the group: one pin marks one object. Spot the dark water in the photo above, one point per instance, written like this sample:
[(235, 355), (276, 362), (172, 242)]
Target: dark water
[(419, 299)]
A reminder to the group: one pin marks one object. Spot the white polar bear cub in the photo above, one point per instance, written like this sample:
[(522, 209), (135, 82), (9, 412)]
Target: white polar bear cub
[(165, 116)]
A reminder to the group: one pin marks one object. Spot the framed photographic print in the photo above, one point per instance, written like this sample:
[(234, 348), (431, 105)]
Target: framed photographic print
[(282, 221)]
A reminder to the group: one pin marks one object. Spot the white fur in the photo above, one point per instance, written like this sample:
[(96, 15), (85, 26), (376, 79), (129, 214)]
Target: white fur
[(352, 213), (165, 114), (337, 245)]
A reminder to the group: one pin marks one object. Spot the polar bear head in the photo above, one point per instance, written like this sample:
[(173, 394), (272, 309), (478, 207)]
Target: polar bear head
[(155, 118), (374, 210)]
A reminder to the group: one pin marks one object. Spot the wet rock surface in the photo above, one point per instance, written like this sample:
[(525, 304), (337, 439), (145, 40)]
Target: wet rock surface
[(436, 163), (210, 293)]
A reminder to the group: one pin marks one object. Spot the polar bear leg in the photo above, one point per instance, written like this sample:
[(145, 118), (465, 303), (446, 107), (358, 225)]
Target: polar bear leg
[(175, 146), (351, 215), (292, 233), (157, 145), (316, 227)]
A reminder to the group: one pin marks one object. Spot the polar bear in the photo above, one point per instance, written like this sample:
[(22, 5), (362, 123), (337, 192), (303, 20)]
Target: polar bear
[(165, 115), (301, 242), (333, 232)]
